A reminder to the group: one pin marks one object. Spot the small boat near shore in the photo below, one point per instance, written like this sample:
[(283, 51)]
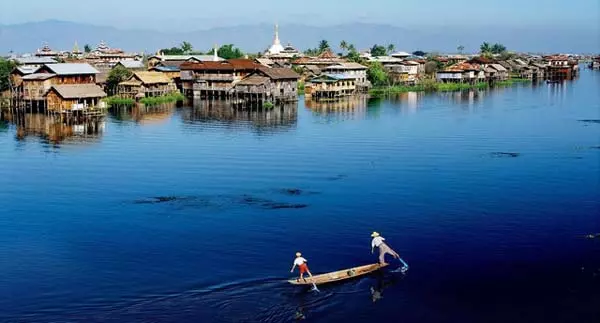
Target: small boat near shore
[(337, 275)]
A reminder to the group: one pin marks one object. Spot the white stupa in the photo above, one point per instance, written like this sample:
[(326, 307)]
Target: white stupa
[(276, 48)]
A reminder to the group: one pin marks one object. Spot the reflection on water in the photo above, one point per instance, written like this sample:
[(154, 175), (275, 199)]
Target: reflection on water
[(54, 129), (142, 114), (279, 118), (340, 109)]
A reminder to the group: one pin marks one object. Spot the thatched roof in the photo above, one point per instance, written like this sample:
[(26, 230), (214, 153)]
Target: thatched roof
[(150, 77), (254, 80)]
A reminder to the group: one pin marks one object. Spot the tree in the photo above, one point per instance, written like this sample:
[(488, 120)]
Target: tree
[(460, 48), (6, 67), (498, 48), (172, 51), (419, 53), (378, 50), (343, 45), (323, 46), (186, 47), (431, 67), (391, 48), (117, 75), (351, 48), (485, 48), (377, 74), (87, 48), (229, 52)]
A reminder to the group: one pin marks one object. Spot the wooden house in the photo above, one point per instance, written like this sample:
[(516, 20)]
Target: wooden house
[(146, 84), (496, 72), (35, 86), (275, 84), (327, 58), (330, 86), (350, 70), (75, 97), (461, 73), (70, 73), (215, 79)]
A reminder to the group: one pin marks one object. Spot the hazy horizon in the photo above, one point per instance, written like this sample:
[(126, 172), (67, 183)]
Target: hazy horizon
[(192, 15)]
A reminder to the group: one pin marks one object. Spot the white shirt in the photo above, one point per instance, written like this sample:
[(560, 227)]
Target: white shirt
[(377, 241), (299, 261)]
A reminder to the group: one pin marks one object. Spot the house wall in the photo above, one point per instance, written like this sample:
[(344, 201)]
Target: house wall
[(36, 89)]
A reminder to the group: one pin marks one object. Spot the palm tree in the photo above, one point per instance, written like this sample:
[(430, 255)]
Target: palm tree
[(351, 48), (391, 48), (344, 45), (460, 48), (323, 45), (485, 47), (498, 48)]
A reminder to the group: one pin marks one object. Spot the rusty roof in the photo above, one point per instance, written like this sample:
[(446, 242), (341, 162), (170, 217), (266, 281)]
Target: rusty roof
[(481, 60), (463, 66)]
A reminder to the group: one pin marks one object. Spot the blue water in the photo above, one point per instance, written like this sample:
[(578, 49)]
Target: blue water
[(193, 214)]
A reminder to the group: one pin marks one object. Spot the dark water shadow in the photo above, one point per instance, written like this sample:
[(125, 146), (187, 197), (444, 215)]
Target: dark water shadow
[(502, 154), (590, 121)]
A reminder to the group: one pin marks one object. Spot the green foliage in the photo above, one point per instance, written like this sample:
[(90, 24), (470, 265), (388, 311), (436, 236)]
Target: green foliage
[(116, 76), (427, 86), (377, 74), (186, 47), (391, 48), (172, 51), (298, 69), (87, 48), (229, 51), (323, 46), (300, 87), (6, 67), (419, 53), (344, 45), (268, 105), (117, 101), (169, 98), (460, 48), (487, 48), (378, 50)]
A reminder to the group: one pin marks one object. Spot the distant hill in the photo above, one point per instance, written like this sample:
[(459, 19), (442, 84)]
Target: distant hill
[(62, 35)]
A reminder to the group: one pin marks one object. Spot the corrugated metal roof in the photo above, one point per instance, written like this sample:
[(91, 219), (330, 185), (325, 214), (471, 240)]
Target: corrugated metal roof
[(207, 58), (72, 68), (35, 60), (161, 68), (38, 76), (498, 67), (345, 66), (79, 91), (25, 70), (132, 64)]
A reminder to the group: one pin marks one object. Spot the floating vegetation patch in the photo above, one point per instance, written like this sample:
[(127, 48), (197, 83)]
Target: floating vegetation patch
[(223, 201), (597, 121), (501, 154), (161, 199), (269, 204), (295, 192), (337, 177)]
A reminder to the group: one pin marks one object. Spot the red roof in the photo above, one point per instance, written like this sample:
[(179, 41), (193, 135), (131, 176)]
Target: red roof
[(481, 60), (327, 54)]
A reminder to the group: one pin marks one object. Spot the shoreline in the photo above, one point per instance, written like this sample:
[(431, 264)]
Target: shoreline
[(442, 87)]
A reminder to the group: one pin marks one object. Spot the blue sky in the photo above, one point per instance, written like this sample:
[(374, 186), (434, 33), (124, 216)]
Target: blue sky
[(196, 14)]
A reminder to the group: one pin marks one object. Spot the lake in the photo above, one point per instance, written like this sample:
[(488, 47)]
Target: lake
[(194, 214)]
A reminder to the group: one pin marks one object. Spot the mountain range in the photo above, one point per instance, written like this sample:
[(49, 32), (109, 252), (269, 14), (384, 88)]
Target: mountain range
[(62, 35)]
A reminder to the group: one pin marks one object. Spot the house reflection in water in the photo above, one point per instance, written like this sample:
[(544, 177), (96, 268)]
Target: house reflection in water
[(142, 114), (55, 130), (350, 107), (467, 98), (222, 114), (408, 101)]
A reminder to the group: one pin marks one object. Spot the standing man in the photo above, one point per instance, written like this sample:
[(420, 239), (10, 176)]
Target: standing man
[(378, 241), (301, 263)]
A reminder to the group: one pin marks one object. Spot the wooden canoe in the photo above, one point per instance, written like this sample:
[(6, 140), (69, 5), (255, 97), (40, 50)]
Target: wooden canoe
[(337, 275)]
